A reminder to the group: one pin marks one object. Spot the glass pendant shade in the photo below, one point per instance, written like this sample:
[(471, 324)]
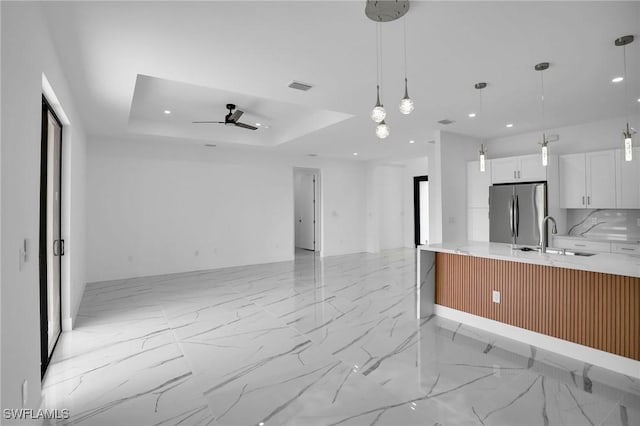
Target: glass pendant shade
[(382, 130), (378, 113), (545, 152), (483, 158), (628, 149), (406, 104)]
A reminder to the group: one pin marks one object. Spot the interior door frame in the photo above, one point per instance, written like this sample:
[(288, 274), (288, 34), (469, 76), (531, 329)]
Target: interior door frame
[(318, 243), (42, 251), (416, 206)]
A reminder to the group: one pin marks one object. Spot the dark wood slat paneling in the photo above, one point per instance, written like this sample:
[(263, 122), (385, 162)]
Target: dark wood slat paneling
[(601, 311)]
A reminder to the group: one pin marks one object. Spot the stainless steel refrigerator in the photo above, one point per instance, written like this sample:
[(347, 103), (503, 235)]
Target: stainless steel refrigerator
[(516, 212)]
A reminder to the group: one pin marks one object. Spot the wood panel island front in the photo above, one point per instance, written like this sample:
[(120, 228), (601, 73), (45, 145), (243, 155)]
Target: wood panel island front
[(590, 303)]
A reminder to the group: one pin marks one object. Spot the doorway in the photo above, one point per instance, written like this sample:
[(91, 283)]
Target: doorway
[(50, 241), (306, 190), (421, 209)]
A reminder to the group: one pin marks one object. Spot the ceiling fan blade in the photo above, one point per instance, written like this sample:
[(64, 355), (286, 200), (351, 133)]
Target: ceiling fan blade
[(215, 122), (235, 116), (246, 126)]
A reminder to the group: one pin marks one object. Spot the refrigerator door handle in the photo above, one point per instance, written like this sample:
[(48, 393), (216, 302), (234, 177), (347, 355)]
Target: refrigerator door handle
[(511, 216), (516, 214)]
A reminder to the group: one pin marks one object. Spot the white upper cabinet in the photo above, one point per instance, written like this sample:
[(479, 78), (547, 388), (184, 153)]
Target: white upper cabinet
[(504, 169), (478, 184), (573, 193), (588, 180), (601, 179), (525, 168), (628, 180), (531, 168)]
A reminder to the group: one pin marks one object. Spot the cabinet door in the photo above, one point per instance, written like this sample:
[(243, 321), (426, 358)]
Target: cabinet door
[(601, 180), (572, 181), (478, 184), (504, 170), (628, 180), (478, 224), (531, 168)]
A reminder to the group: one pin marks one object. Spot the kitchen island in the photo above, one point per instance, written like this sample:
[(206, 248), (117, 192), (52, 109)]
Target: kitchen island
[(586, 307)]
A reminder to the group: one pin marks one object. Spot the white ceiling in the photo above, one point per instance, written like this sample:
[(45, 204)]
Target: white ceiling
[(256, 48), (277, 122)]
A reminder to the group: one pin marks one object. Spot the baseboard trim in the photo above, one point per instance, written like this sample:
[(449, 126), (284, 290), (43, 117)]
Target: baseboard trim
[(583, 353), (67, 324)]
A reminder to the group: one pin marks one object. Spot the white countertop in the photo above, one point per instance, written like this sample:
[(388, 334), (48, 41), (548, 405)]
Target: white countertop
[(608, 263), (600, 240)]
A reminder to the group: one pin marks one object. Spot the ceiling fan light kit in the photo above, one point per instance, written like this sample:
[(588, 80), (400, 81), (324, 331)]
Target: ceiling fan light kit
[(231, 119)]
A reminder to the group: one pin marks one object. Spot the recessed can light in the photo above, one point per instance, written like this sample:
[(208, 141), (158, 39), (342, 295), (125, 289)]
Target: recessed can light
[(412, 141), (638, 99), (617, 79), (258, 124), (166, 111), (472, 115), (355, 153), (509, 125)]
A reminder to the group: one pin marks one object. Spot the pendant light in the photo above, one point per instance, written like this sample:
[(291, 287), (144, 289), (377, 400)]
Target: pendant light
[(483, 150), (382, 130), (483, 158), (406, 104), (628, 132), (544, 154), (378, 113)]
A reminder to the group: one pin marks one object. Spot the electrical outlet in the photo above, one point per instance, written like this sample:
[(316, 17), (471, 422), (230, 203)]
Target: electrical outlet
[(495, 296), (25, 388)]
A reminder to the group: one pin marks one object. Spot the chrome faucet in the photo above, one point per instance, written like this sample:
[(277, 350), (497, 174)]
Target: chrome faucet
[(543, 232)]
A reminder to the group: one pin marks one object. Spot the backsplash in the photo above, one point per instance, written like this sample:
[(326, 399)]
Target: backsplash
[(611, 224)]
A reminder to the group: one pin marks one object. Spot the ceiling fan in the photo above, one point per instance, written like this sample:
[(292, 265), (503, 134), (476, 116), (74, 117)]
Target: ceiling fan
[(232, 119)]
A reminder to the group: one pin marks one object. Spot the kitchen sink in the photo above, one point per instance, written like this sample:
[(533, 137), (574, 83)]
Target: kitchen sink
[(561, 252)]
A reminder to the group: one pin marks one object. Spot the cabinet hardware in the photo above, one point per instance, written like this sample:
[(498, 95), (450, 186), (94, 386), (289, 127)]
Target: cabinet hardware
[(583, 200), (580, 245), (588, 199), (626, 248), (514, 174), (518, 174)]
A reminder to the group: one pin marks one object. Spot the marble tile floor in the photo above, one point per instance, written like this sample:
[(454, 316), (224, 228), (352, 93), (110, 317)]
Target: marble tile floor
[(331, 341)]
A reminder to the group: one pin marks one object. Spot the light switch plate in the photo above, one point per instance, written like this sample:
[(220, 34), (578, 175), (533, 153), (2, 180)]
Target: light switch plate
[(495, 296)]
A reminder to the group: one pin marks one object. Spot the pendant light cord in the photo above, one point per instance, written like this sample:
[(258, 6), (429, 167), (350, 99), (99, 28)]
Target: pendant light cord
[(378, 54), (404, 22), (380, 47), (542, 99), (626, 83)]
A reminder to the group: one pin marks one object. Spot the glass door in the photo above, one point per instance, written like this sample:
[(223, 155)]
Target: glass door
[(51, 242)]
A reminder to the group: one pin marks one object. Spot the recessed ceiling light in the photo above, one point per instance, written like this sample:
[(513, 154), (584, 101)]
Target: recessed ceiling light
[(509, 125), (472, 115), (617, 79), (355, 153), (258, 124), (638, 99), (166, 111), (412, 141)]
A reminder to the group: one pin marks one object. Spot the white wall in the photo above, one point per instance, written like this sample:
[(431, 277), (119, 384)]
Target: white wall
[(163, 207), (27, 53), (594, 136), (456, 150)]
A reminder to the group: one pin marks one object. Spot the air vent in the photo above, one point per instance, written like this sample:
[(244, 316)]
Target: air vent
[(446, 122), (300, 86), (210, 145)]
